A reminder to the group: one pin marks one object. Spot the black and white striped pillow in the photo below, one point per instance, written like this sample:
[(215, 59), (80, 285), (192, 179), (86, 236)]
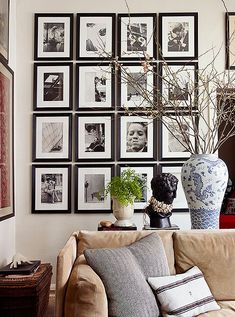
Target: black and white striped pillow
[(183, 295)]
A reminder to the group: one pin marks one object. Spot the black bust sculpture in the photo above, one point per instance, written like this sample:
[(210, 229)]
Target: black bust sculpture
[(164, 187)]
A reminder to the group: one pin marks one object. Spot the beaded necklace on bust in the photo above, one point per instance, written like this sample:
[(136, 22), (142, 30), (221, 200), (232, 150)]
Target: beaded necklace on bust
[(160, 206)]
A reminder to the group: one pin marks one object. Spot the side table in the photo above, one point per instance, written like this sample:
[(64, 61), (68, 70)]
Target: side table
[(173, 227), (26, 296), (114, 228)]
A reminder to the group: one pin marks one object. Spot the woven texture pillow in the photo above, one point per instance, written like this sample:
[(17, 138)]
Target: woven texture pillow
[(184, 295), (124, 272)]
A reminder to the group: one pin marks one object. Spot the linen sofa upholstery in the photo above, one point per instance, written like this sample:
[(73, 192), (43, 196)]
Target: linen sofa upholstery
[(81, 293)]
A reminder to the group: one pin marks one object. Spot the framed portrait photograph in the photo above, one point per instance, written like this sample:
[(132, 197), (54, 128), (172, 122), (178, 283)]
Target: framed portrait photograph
[(94, 137), (136, 135), (90, 182), (4, 29), (178, 35), (145, 172), (230, 39), (7, 208), (136, 35), (53, 86), (51, 188), (173, 142), (53, 36), (95, 36), (180, 202), (132, 82), (52, 137), (178, 82), (95, 86)]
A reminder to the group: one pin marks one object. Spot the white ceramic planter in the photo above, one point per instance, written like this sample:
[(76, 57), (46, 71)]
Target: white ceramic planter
[(123, 214)]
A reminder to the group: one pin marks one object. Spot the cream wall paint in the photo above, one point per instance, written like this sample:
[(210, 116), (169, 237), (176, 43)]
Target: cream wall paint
[(42, 236)]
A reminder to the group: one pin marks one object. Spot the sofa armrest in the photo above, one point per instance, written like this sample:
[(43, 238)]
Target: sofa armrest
[(65, 262), (85, 295)]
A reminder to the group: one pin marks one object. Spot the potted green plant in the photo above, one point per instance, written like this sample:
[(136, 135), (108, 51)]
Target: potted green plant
[(124, 189)]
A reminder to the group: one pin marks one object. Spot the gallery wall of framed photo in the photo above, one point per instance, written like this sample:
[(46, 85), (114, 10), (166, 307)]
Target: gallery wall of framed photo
[(82, 135)]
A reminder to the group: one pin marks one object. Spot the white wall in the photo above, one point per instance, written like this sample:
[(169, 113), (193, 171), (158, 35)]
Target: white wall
[(42, 236)]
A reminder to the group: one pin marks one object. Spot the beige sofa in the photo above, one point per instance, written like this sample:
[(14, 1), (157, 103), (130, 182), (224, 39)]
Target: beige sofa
[(81, 293)]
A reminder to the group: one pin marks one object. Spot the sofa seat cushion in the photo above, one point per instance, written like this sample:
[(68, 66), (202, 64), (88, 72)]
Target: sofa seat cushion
[(213, 252), (124, 272), (115, 239), (85, 295), (227, 310)]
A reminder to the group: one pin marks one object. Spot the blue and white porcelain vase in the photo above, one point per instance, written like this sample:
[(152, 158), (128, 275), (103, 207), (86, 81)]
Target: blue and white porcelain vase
[(204, 179)]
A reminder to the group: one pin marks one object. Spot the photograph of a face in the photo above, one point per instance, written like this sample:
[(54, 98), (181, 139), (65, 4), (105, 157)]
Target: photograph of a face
[(53, 86), (136, 35), (95, 36), (178, 84), (94, 137), (53, 36), (174, 142), (4, 29), (90, 184), (133, 80), (95, 86), (51, 188), (52, 137), (145, 173), (136, 137), (178, 35), (180, 202)]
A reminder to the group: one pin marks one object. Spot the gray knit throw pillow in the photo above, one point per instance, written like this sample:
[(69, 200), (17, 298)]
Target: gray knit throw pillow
[(124, 272)]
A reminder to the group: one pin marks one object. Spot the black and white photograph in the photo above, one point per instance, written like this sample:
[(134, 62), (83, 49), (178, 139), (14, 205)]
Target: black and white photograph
[(53, 36), (230, 40), (178, 35), (51, 188), (4, 29), (95, 36), (90, 182), (95, 86), (180, 202), (133, 80), (52, 137), (135, 136), (145, 172), (136, 35), (173, 141), (53, 86), (94, 137), (178, 85)]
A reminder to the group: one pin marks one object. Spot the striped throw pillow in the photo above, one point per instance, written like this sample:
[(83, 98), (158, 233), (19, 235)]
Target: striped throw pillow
[(183, 295)]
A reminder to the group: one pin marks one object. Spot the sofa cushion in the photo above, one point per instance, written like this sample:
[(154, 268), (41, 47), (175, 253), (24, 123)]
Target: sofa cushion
[(213, 252), (115, 239), (184, 295), (124, 271), (85, 295), (227, 310)]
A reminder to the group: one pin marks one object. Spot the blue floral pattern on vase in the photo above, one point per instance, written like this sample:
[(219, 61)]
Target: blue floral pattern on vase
[(204, 179)]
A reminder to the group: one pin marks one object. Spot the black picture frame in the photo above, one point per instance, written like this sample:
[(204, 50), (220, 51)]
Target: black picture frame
[(7, 192), (180, 202), (175, 30), (230, 40), (92, 48), (143, 31), (52, 137), (140, 152), (148, 171), (170, 147), (95, 82), (53, 36), (4, 30), (128, 96), (94, 137), (53, 86), (182, 71), (93, 201), (51, 188)]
